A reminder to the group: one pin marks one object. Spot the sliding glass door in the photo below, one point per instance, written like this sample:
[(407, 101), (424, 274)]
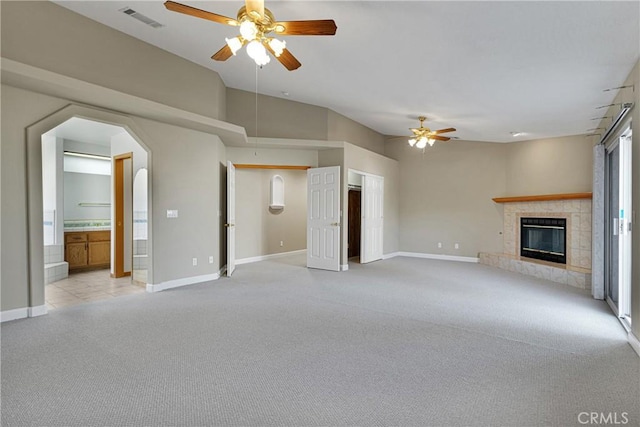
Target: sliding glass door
[(618, 225)]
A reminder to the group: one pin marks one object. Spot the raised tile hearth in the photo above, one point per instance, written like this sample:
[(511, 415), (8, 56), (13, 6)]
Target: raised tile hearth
[(576, 209)]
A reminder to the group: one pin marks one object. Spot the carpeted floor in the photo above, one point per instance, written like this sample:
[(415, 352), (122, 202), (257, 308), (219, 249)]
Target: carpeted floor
[(403, 342)]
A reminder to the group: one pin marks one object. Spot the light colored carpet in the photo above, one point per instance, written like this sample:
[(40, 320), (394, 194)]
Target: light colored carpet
[(403, 342)]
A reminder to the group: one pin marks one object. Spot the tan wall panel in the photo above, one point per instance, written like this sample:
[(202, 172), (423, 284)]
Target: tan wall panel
[(549, 166), (445, 196), (45, 35), (277, 117), (341, 128)]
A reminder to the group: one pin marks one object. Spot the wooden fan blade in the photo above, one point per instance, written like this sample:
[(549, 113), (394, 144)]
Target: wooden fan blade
[(286, 58), (199, 13), (439, 138), (223, 54), (321, 27), (255, 8), (439, 131)]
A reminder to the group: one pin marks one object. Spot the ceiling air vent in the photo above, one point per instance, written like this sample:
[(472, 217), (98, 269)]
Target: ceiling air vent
[(140, 17)]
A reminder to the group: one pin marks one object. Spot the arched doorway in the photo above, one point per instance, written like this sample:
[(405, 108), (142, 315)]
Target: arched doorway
[(127, 140)]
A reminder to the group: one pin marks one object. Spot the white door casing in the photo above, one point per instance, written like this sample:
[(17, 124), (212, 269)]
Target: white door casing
[(323, 218), (231, 218), (372, 218)]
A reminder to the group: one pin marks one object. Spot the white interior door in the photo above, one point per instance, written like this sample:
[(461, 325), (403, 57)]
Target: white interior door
[(231, 218), (372, 218), (323, 218)]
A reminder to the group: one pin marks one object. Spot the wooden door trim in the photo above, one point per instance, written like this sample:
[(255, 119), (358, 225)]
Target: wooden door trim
[(118, 186)]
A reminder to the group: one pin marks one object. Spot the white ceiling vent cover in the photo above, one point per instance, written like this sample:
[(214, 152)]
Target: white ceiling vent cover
[(140, 17)]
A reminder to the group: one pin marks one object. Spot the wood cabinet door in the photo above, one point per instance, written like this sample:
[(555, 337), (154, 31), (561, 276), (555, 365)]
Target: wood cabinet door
[(76, 254), (99, 253)]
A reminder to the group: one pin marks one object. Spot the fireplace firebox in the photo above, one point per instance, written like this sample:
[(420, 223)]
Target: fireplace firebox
[(544, 239)]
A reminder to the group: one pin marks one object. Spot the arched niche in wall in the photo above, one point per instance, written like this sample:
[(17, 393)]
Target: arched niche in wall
[(276, 201)]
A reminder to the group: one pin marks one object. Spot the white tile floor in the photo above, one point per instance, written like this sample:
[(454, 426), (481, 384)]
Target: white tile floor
[(87, 286)]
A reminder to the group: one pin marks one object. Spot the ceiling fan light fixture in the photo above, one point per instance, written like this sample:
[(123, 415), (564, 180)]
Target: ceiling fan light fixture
[(235, 44), (423, 136), (248, 30), (277, 46), (258, 53)]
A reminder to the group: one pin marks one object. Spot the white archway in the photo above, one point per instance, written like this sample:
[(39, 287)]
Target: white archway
[(34, 190)]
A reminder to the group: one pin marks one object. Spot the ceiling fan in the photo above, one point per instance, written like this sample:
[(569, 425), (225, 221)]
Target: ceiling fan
[(256, 23), (423, 136)]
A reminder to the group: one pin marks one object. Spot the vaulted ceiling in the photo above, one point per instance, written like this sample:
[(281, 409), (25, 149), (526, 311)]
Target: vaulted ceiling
[(485, 68)]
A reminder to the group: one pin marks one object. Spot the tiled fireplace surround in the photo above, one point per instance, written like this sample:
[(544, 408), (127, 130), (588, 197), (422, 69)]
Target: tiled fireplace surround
[(577, 271)]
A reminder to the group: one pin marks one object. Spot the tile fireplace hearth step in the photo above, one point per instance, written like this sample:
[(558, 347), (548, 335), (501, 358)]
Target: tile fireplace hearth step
[(567, 275)]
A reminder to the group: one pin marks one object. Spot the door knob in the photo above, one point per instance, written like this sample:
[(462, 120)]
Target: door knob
[(229, 225), (335, 224)]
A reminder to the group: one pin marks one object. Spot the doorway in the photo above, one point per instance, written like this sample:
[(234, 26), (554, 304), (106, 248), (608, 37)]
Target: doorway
[(79, 210), (355, 223), (618, 225), (365, 216)]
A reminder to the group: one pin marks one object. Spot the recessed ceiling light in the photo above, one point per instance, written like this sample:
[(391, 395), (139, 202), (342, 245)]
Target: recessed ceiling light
[(285, 93), (514, 134)]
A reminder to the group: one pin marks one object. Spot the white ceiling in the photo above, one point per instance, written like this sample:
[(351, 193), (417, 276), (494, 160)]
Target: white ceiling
[(485, 68), (89, 131)]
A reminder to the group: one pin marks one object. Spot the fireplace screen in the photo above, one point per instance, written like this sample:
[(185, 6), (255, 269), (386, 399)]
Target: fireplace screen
[(544, 238)]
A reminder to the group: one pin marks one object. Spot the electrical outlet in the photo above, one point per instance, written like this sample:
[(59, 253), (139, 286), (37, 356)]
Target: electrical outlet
[(172, 213), (440, 245), (211, 259), (456, 246), (281, 243), (195, 262)]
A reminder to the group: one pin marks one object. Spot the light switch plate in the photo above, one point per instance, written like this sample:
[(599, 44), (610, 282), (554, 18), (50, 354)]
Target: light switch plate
[(172, 213)]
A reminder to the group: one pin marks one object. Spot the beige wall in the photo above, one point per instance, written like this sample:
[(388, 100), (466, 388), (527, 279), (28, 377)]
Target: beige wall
[(19, 110), (277, 117), (73, 45), (625, 96), (259, 229), (445, 196), (549, 166), (341, 128), (185, 176), (273, 156), (284, 118)]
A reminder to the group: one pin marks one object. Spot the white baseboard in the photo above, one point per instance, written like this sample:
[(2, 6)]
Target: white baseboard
[(266, 257), (16, 313), (635, 343), (22, 313), (182, 282), (344, 267), (438, 256), (40, 310), (391, 255)]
